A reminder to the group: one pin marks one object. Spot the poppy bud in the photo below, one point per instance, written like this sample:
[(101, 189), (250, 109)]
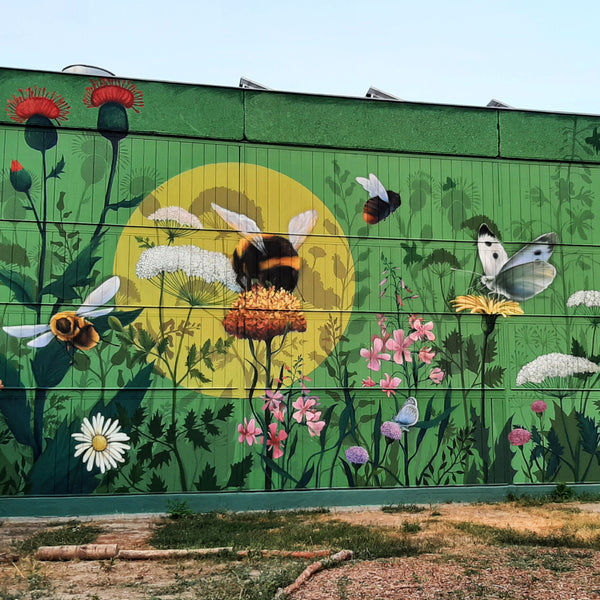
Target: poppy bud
[(19, 177)]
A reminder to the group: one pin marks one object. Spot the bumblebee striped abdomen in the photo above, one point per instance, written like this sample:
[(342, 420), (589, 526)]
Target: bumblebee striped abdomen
[(376, 209)]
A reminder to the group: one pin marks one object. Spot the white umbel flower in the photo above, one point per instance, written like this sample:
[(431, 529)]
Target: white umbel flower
[(176, 214), (589, 298), (192, 274), (102, 443), (555, 365)]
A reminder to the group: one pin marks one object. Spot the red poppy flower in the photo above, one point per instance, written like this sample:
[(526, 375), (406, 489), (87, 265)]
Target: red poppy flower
[(37, 101), (103, 91)]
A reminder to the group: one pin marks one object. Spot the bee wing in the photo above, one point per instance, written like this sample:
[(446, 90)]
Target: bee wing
[(300, 226), (245, 225), (22, 331), (100, 296), (41, 340), (374, 187), (491, 252)]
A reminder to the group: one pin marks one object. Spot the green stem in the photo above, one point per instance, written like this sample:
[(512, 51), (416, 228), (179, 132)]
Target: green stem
[(111, 178)]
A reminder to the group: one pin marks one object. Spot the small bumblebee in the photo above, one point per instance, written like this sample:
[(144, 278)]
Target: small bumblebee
[(381, 203), (71, 327), (266, 258)]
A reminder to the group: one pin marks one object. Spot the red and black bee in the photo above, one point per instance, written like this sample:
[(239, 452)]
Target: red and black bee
[(265, 258), (381, 203)]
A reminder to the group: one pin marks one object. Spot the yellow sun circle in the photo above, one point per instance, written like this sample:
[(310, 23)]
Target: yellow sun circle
[(325, 288)]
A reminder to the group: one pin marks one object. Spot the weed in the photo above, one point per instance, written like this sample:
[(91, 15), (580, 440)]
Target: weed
[(342, 586), (280, 531), (179, 509), (408, 527), (562, 493), (404, 508), (559, 560), (71, 534)]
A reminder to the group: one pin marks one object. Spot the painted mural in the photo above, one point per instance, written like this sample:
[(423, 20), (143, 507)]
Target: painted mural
[(185, 315)]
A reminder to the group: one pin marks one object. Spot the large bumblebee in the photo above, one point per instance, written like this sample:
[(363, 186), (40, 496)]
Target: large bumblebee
[(381, 203), (71, 326), (268, 259)]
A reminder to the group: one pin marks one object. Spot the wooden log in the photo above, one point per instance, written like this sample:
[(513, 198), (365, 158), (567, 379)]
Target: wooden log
[(85, 552), (170, 553)]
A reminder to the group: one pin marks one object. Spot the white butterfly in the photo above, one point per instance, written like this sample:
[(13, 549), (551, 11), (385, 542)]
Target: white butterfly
[(408, 415), (521, 276)]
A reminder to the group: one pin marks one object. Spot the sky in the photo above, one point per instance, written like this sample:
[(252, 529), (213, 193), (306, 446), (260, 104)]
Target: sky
[(530, 54)]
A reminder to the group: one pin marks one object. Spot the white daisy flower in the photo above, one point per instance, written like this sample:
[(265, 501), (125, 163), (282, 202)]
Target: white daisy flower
[(192, 274), (102, 442), (589, 298), (554, 365)]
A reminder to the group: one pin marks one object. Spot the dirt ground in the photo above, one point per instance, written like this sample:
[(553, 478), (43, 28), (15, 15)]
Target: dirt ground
[(459, 566)]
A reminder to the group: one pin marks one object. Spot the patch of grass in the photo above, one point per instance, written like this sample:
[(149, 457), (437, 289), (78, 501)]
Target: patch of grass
[(178, 509), (408, 527), (70, 534), (559, 560), (281, 531), (403, 508), (510, 537)]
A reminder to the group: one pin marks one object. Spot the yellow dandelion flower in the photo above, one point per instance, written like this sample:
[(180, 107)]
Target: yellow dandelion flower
[(264, 313), (485, 305)]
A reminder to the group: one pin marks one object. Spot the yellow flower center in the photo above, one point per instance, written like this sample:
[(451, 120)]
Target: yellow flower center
[(99, 443)]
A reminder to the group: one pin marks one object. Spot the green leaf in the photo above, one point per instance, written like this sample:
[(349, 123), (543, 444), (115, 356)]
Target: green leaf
[(56, 172), (197, 438), (157, 485), (453, 342), (160, 459), (556, 451), (306, 477), (577, 349), (589, 433), (239, 472), (491, 350), (199, 375), (51, 364), (115, 324), (13, 404), (13, 254), (136, 473), (81, 361), (192, 356), (207, 482), (146, 340), (472, 356), (132, 203), (493, 376), (145, 452), (225, 412), (156, 427), (20, 285)]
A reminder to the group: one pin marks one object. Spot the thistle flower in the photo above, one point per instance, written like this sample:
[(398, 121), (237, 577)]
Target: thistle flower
[(555, 365), (264, 313), (519, 436), (357, 455), (486, 305), (391, 431), (20, 177), (539, 407), (194, 275)]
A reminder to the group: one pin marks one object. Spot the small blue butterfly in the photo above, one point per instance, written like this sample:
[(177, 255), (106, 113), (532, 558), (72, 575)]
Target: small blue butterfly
[(408, 415)]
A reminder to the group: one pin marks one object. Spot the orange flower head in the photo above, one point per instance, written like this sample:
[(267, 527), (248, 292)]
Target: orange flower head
[(264, 313), (37, 101), (118, 91)]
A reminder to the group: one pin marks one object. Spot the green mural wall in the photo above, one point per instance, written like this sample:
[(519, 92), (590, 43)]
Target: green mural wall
[(207, 289)]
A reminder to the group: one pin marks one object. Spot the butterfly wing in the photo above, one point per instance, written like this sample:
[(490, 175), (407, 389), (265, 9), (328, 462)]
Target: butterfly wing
[(374, 187), (300, 226), (491, 252), (408, 415), (524, 280), (245, 225), (539, 250)]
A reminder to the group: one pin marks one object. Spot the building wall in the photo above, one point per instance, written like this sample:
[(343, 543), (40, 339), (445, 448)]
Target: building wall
[(112, 196)]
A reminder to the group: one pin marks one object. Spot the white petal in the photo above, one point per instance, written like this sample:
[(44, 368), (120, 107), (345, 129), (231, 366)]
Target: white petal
[(114, 427)]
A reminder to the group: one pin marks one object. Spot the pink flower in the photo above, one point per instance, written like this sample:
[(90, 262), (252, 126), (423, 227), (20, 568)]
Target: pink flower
[(539, 407), (424, 331), (436, 375), (375, 355), (519, 436), (368, 383), (274, 440), (389, 384), (279, 413), (381, 321), (426, 355), (399, 345), (303, 406), (273, 400), (314, 425), (248, 432), (413, 319)]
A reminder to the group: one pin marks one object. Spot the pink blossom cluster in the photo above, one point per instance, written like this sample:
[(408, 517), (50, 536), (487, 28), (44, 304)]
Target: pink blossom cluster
[(400, 348), (275, 403)]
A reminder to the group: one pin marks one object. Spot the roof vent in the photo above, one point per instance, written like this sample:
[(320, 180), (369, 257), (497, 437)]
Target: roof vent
[(373, 92), (88, 70), (248, 84), (493, 103)]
